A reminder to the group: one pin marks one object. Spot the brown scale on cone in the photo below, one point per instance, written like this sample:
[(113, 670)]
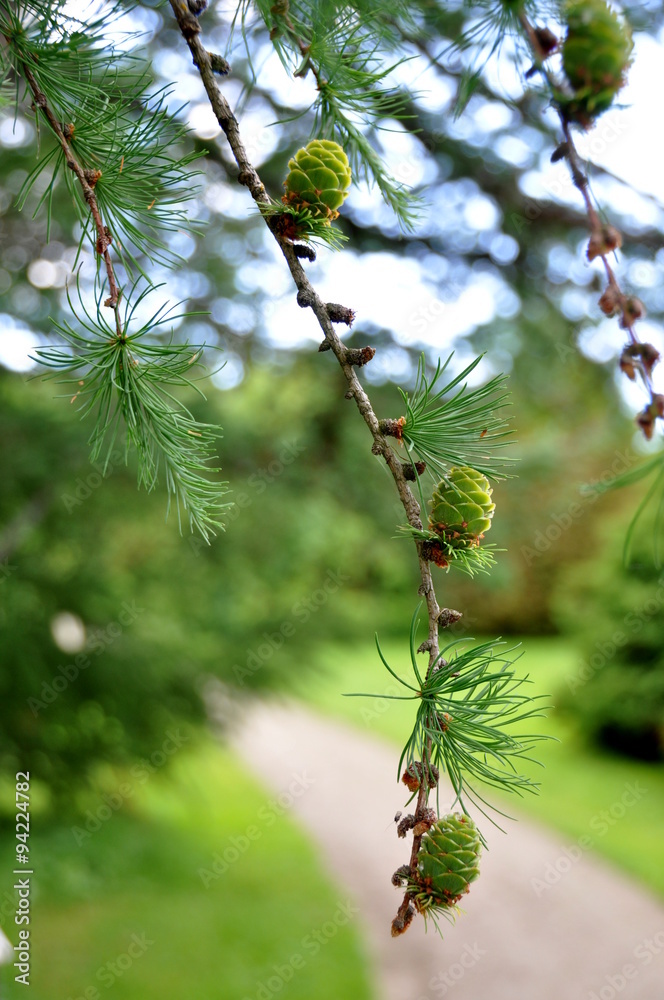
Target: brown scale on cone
[(442, 529), (447, 899)]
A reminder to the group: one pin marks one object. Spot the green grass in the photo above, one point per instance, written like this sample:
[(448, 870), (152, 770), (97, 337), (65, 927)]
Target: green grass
[(139, 874), (581, 787)]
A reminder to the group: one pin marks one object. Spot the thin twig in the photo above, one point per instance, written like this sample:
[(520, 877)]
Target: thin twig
[(104, 237), (580, 180), (307, 297)]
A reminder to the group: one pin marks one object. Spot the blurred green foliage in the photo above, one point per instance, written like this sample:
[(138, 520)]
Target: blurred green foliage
[(169, 897), (616, 608), (310, 553)]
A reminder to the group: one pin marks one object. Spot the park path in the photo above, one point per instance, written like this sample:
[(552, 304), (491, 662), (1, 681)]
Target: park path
[(590, 935)]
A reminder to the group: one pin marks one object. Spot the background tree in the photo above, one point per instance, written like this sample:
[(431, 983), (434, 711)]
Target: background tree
[(467, 254)]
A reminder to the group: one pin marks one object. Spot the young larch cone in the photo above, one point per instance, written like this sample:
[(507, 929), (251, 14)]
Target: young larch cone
[(447, 863), (318, 180), (461, 508), (596, 54)]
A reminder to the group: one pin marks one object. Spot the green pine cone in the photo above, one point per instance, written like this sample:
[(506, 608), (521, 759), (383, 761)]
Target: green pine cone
[(319, 179), (461, 508), (596, 54), (447, 863)]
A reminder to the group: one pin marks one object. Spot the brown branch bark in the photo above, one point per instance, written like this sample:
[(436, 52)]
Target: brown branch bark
[(307, 297)]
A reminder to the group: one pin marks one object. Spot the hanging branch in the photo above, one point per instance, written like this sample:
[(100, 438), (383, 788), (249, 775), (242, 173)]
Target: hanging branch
[(307, 297), (113, 142), (456, 831), (604, 239), (596, 53), (591, 95), (87, 180)]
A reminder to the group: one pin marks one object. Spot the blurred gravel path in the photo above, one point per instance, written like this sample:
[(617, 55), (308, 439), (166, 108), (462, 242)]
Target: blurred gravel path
[(593, 935)]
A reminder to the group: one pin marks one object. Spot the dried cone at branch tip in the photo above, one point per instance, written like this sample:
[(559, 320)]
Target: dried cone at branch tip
[(646, 419), (633, 309), (610, 301), (596, 54), (461, 508), (604, 241), (447, 863), (627, 365), (649, 356), (319, 179)]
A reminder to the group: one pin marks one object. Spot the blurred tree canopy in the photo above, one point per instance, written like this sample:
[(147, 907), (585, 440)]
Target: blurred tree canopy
[(493, 264)]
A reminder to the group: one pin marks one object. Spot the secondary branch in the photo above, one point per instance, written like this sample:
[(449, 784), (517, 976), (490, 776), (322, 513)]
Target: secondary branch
[(307, 297), (87, 179)]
